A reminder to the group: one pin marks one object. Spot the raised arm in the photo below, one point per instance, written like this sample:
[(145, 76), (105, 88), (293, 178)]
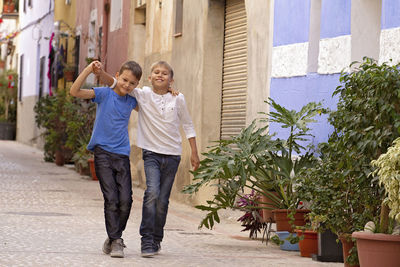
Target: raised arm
[(104, 77), (76, 86)]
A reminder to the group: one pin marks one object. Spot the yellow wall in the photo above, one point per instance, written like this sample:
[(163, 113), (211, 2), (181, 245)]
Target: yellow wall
[(67, 15)]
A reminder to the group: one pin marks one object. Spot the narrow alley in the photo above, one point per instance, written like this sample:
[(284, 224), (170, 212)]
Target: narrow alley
[(52, 216)]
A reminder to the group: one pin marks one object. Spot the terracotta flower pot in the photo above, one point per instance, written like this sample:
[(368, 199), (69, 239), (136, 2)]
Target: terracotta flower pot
[(267, 214), (309, 245), (69, 76), (59, 157), (92, 169), (347, 245), (378, 249), (283, 221)]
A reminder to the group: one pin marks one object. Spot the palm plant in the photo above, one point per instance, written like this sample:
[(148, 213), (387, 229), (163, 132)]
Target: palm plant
[(256, 160)]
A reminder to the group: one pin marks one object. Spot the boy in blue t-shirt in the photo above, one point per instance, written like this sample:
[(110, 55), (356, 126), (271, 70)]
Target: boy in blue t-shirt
[(110, 144)]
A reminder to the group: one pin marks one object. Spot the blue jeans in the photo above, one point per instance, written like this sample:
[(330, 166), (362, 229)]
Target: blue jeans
[(160, 175), (114, 174)]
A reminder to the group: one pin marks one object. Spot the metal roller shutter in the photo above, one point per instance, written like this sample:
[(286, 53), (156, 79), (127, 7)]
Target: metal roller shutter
[(234, 86)]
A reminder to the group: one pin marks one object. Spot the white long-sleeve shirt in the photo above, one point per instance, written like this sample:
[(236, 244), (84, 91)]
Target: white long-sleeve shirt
[(160, 117)]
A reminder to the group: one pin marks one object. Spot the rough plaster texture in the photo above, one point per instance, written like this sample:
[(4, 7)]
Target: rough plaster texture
[(27, 131), (197, 59), (365, 29), (289, 60), (389, 45), (259, 36), (334, 54)]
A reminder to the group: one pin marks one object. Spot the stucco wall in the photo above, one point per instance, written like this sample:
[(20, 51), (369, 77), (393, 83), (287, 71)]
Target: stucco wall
[(197, 59), (306, 66), (117, 46), (390, 33), (67, 15), (86, 12), (34, 45), (259, 45)]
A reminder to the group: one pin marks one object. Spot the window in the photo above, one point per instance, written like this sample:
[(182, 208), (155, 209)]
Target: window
[(178, 18), (116, 15)]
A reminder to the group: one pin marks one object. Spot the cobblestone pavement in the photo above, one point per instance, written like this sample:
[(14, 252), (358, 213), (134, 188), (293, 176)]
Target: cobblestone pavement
[(52, 216)]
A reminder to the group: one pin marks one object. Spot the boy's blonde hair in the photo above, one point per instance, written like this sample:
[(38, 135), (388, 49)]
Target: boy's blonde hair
[(164, 64), (132, 66)]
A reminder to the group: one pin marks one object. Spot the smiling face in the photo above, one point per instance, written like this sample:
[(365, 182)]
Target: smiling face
[(126, 82), (160, 77)]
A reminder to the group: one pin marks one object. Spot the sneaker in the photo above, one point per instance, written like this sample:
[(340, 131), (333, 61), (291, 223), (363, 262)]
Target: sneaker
[(107, 246), (157, 246), (117, 248), (148, 253)]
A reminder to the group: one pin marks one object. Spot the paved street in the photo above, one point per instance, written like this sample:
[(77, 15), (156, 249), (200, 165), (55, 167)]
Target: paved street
[(52, 216)]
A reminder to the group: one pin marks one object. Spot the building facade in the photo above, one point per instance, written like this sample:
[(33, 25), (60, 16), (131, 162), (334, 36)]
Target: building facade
[(36, 19), (228, 56)]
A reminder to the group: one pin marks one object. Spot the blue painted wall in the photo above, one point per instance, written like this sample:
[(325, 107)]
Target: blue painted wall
[(335, 18), (291, 21), (390, 14), (295, 92)]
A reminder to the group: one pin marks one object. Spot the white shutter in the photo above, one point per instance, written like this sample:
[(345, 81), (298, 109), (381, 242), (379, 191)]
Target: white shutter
[(234, 85)]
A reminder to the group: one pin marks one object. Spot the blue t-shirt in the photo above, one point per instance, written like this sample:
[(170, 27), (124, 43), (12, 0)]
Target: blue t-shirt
[(110, 130)]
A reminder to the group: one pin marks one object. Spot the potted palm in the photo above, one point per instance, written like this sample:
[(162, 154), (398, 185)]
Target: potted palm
[(256, 160), (380, 245), (281, 168)]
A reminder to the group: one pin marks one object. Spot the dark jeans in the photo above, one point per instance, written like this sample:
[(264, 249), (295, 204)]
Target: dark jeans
[(160, 175), (114, 174)]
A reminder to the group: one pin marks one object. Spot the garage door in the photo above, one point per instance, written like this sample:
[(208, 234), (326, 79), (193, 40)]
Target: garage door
[(234, 86)]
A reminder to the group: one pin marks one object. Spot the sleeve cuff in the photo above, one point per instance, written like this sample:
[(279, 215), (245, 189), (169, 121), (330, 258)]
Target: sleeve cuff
[(114, 83)]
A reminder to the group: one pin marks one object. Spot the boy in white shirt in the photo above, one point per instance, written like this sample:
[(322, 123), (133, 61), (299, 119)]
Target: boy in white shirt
[(160, 116)]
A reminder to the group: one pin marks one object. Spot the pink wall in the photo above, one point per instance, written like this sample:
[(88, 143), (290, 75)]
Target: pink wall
[(114, 47), (117, 45)]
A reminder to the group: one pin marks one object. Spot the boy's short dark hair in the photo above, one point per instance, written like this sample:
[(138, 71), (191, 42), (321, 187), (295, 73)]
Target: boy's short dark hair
[(164, 64), (134, 67)]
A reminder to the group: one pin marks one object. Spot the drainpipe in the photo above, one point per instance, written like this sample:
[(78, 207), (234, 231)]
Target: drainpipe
[(106, 16)]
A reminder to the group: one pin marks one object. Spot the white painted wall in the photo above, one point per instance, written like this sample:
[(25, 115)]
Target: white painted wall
[(36, 28), (36, 25)]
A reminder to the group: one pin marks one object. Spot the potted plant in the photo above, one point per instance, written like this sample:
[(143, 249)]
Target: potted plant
[(69, 72), (9, 6), (280, 169), (340, 187), (308, 236), (8, 105), (50, 115), (252, 219), (380, 245), (227, 166), (256, 160), (81, 116)]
